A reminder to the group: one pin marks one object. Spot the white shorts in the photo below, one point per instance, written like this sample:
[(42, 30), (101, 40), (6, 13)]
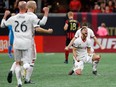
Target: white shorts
[(87, 59), (22, 55), (33, 52), (80, 64)]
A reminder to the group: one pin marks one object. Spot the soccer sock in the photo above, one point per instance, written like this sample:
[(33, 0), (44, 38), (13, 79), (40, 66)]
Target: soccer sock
[(29, 73), (66, 54), (23, 72), (94, 64), (13, 67), (18, 74), (10, 49)]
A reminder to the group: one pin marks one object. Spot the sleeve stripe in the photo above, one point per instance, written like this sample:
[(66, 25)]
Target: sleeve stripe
[(38, 22)]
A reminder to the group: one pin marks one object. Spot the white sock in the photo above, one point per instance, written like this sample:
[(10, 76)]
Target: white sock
[(29, 73), (94, 64), (23, 72), (18, 74), (13, 67)]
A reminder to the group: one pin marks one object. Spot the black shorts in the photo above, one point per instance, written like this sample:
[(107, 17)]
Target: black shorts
[(67, 41)]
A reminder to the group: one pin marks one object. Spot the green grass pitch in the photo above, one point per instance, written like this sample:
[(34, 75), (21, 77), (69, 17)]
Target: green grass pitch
[(50, 71)]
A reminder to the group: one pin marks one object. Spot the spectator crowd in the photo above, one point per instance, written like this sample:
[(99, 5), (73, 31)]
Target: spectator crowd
[(95, 6), (63, 6)]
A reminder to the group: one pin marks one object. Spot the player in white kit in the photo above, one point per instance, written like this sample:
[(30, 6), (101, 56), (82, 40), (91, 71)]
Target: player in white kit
[(22, 25), (90, 35), (82, 52), (31, 5)]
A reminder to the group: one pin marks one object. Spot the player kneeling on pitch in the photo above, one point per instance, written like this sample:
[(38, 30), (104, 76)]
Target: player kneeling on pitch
[(82, 54)]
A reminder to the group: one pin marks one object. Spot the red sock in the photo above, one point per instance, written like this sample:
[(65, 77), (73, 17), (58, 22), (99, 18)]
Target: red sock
[(66, 54)]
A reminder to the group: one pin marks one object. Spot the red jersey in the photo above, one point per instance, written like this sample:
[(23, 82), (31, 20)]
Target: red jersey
[(72, 28)]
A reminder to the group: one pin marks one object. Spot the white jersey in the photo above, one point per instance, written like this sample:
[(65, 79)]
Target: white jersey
[(90, 33), (33, 30), (81, 47), (33, 55), (22, 25)]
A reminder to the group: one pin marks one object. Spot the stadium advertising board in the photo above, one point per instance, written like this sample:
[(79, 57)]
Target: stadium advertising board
[(108, 42), (57, 44), (3, 44)]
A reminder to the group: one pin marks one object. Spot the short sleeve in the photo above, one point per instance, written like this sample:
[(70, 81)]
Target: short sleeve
[(77, 33), (9, 21), (75, 43), (35, 21), (91, 33)]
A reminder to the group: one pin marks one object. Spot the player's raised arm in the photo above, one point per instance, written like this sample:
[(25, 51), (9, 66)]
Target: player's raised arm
[(46, 11), (3, 22), (45, 17)]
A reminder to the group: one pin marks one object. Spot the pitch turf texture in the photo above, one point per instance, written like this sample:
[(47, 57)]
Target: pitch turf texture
[(50, 71)]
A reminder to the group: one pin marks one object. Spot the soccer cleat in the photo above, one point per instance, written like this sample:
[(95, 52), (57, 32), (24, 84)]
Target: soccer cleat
[(10, 55), (23, 73), (71, 72), (94, 72), (28, 82), (19, 85), (9, 77), (66, 61)]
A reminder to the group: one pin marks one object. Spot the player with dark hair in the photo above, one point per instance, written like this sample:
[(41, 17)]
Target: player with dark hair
[(89, 35), (82, 52)]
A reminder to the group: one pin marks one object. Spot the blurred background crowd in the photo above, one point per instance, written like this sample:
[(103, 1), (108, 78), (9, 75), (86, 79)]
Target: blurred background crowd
[(63, 6)]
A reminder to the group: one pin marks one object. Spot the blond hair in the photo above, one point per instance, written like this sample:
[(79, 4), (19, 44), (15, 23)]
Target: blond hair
[(70, 14), (31, 4)]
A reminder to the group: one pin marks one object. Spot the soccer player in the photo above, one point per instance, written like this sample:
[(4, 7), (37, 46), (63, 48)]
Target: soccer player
[(31, 5), (11, 36), (90, 35), (70, 27), (22, 24), (11, 39), (82, 52)]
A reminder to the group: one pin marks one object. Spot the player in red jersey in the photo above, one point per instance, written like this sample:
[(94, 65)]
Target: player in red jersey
[(70, 27)]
